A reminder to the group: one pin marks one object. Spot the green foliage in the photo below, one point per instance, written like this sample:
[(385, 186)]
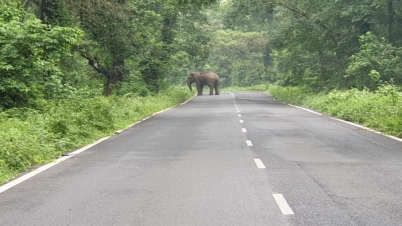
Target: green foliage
[(196, 2), (380, 110), (315, 44), (154, 40), (31, 137), (238, 58), (29, 55), (259, 87), (376, 61), (134, 85)]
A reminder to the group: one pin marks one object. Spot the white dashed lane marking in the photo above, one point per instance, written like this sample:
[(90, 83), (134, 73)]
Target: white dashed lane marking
[(283, 205), (259, 164), (249, 143), (280, 200)]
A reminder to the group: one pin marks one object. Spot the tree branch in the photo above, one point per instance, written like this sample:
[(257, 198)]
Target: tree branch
[(93, 61)]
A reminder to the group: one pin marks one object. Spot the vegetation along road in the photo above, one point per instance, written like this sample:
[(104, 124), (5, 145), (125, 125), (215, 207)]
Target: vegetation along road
[(74, 71), (238, 158)]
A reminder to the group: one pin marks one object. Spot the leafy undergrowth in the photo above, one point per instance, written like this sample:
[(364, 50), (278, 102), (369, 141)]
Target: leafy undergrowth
[(36, 136), (380, 110)]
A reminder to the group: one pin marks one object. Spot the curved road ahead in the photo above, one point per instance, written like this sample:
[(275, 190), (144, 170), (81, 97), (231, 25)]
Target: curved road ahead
[(235, 159)]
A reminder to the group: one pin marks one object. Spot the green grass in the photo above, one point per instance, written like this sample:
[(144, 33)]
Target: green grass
[(31, 137), (380, 110), (37, 136)]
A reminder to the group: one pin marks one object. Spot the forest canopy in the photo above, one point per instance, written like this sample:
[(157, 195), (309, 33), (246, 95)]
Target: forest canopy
[(53, 48), (322, 45), (56, 48)]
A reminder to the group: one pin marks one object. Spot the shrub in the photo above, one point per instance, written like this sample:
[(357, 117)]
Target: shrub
[(30, 137), (380, 110), (30, 52)]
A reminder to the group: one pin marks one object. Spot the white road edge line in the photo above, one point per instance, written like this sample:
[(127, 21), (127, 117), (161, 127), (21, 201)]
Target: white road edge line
[(47, 166), (241, 121), (239, 115), (244, 130), (283, 205), (249, 143), (259, 164), (305, 109), (351, 123), (368, 129), (71, 154)]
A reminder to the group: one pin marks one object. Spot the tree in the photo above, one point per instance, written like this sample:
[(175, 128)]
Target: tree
[(30, 55), (238, 57), (313, 41), (376, 61), (139, 31)]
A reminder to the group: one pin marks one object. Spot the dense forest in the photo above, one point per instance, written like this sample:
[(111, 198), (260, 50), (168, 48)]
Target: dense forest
[(55, 48), (72, 71)]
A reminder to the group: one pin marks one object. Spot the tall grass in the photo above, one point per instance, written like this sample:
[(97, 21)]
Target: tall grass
[(380, 110), (35, 136)]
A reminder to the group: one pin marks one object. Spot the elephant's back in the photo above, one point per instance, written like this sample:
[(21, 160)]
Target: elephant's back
[(210, 74)]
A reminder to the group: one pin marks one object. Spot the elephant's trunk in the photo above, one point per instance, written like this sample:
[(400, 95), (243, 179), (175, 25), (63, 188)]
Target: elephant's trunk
[(189, 86)]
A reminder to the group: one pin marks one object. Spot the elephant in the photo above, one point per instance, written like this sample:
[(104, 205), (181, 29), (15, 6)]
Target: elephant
[(204, 78)]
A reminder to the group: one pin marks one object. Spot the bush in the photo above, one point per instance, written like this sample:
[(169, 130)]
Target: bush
[(30, 137), (30, 53), (380, 110)]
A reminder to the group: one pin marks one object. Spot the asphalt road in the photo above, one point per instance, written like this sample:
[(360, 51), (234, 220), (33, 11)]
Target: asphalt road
[(233, 159)]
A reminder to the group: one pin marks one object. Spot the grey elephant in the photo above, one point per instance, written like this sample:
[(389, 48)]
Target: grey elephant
[(204, 78)]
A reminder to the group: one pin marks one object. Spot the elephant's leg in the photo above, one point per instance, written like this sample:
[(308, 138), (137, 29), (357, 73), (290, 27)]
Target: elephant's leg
[(211, 90), (199, 89), (216, 89)]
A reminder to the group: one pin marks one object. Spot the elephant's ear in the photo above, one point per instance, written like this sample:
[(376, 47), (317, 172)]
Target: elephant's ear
[(191, 75)]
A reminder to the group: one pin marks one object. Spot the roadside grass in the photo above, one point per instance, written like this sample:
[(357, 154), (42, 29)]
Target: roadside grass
[(31, 137), (380, 110)]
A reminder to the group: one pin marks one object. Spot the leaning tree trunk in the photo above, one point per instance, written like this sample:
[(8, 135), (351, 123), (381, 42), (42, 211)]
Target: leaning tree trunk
[(114, 75)]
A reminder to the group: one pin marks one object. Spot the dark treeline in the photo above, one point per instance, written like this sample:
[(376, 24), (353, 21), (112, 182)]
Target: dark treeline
[(52, 49), (319, 45)]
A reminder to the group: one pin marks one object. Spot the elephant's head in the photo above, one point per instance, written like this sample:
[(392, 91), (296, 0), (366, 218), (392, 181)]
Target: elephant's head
[(190, 80)]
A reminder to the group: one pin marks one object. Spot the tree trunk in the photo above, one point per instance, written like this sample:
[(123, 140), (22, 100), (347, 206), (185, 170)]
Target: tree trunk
[(50, 11), (114, 75)]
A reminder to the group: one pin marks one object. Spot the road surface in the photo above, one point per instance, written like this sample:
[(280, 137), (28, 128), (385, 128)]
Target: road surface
[(239, 158)]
